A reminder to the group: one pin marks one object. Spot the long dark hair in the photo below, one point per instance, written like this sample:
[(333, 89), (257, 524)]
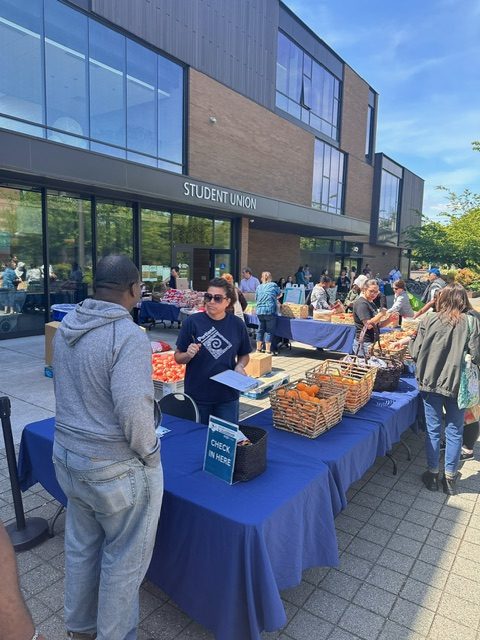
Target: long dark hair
[(451, 302), (229, 289)]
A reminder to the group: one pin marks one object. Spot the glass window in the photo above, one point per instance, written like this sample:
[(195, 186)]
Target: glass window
[(22, 295), (388, 209), (192, 230), (114, 229), (369, 136), (156, 245), (107, 84), (127, 101), (69, 247), (170, 110), (222, 234), (66, 39), (303, 82), (21, 92), (328, 178), (141, 103)]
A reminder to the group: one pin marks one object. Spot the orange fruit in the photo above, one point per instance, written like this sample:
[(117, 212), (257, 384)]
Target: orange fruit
[(301, 386), (291, 393), (314, 389)]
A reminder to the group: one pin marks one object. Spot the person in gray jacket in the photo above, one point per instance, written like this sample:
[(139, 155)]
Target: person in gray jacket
[(438, 350), (106, 455)]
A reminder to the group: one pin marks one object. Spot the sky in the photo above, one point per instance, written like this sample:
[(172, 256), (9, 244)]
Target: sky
[(423, 59)]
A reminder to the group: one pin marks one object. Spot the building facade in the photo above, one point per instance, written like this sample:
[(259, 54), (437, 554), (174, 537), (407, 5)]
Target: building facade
[(203, 133)]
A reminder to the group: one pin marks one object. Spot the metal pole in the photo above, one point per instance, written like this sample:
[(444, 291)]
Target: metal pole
[(27, 533)]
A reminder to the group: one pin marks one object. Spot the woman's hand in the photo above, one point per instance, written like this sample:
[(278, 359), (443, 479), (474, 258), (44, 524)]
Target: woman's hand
[(193, 349), (239, 368)]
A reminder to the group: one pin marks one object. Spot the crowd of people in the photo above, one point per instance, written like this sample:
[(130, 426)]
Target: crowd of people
[(107, 454)]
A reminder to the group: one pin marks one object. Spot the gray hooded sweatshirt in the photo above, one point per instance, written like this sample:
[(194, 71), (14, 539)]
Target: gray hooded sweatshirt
[(103, 385)]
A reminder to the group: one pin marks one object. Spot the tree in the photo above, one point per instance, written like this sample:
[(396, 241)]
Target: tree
[(429, 242)]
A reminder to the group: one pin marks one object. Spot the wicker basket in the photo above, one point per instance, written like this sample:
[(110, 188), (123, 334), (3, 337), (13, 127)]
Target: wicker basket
[(356, 379), (383, 350), (305, 417), (388, 377), (291, 310), (251, 460)]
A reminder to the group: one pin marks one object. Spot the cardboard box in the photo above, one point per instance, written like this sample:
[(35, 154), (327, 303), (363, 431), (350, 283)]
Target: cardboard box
[(50, 330), (259, 364)]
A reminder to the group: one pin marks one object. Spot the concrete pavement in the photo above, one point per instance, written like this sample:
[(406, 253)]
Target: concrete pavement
[(410, 559)]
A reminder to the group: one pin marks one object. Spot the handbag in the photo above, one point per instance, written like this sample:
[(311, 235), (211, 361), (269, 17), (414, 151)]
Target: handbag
[(468, 393)]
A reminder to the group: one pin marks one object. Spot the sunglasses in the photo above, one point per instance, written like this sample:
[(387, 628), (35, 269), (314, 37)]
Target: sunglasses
[(208, 297)]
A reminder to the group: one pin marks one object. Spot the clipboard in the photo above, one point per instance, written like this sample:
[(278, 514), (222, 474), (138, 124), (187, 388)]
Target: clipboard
[(235, 380)]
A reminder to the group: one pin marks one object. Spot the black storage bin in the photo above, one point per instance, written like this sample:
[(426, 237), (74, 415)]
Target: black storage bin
[(251, 460)]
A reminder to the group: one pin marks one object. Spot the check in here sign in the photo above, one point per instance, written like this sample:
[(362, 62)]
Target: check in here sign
[(221, 449)]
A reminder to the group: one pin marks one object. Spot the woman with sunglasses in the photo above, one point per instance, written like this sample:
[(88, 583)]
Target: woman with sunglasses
[(401, 303), (210, 343)]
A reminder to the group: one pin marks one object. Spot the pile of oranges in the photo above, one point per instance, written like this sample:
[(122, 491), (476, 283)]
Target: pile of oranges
[(301, 391)]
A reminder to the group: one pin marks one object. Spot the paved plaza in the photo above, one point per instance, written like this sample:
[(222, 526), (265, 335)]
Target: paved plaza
[(409, 564)]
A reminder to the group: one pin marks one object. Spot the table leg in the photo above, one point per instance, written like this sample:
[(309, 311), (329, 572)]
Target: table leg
[(51, 525), (409, 453), (394, 462)]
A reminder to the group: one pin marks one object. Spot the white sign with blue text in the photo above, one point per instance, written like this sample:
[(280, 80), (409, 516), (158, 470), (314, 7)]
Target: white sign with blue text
[(221, 448)]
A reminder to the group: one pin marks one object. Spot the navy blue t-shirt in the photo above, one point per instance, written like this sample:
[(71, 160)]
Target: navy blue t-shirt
[(222, 341)]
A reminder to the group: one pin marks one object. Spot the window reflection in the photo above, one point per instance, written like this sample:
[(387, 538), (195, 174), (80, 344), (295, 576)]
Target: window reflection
[(388, 210), (70, 247), (22, 298), (156, 246), (328, 178), (66, 69), (192, 230), (305, 89), (107, 81), (114, 229), (99, 90)]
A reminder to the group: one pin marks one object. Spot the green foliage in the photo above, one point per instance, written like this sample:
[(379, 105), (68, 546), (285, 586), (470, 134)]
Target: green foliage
[(465, 276), (429, 242)]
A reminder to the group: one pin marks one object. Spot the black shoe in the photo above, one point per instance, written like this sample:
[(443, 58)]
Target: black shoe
[(275, 353), (430, 480), (449, 486), (443, 445), (466, 456)]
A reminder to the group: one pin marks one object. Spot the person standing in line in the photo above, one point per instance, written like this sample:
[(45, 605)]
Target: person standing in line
[(240, 303), (395, 274), (9, 281), (172, 281), (210, 343), (320, 298), (300, 276), (249, 283), (106, 455), (353, 275), (343, 285), (401, 303), (435, 284), (438, 350), (266, 296)]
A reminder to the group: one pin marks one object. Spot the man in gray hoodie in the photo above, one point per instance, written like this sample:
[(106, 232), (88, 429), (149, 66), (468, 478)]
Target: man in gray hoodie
[(106, 455)]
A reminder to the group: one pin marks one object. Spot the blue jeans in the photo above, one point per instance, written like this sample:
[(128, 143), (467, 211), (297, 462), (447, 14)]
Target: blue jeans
[(267, 326), (434, 405), (112, 518), (225, 410)]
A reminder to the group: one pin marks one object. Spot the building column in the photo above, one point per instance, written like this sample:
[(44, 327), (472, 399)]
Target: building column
[(244, 238)]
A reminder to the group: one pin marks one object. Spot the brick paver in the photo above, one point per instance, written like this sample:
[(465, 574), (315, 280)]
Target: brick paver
[(410, 559)]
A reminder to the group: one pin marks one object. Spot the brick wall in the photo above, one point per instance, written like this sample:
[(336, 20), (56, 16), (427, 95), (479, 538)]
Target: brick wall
[(278, 253), (385, 258), (248, 148), (358, 197)]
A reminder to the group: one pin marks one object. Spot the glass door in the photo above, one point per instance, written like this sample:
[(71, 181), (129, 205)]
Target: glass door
[(220, 262)]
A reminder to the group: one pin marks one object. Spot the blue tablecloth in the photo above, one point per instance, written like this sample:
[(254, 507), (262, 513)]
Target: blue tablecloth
[(326, 335), (224, 552), (160, 311), (349, 449)]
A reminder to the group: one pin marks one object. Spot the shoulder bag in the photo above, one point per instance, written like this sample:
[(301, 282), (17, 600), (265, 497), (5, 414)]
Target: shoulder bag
[(468, 393)]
